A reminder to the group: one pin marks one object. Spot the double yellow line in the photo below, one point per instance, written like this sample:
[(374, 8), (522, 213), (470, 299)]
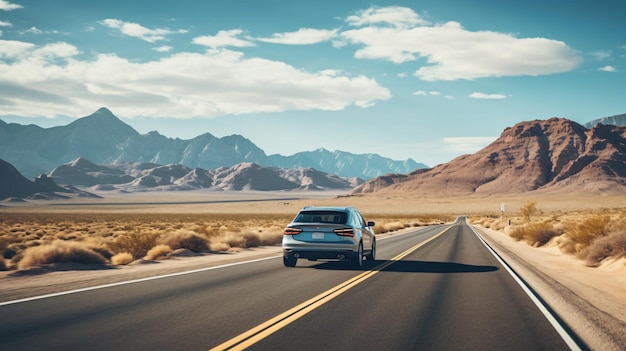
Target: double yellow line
[(263, 330)]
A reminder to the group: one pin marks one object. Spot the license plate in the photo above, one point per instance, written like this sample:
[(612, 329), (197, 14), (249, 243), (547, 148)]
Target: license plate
[(317, 236)]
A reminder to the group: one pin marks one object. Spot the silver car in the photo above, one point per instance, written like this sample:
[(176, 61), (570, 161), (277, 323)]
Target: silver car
[(338, 233)]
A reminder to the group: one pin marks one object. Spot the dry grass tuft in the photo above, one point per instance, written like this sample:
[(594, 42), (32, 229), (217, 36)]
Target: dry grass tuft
[(246, 238), (386, 227), (389, 224), (568, 245), (185, 239), (499, 224), (592, 227), (158, 252), (137, 243), (618, 225), (613, 246), (218, 246), (59, 251), (529, 210), (122, 258), (103, 249), (535, 234), (274, 237), (242, 240)]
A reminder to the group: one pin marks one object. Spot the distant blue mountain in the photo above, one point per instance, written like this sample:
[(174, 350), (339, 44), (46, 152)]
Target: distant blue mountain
[(346, 164), (13, 184), (617, 120), (103, 138)]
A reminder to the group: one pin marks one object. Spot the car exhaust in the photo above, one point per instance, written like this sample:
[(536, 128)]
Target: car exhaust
[(296, 255)]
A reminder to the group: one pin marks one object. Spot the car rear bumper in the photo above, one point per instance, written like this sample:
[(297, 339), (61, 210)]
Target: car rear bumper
[(319, 254)]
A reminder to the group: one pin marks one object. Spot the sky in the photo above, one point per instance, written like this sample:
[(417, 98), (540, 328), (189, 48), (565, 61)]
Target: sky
[(428, 80)]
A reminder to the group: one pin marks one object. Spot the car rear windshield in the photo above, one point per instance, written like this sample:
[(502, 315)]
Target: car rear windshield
[(322, 217)]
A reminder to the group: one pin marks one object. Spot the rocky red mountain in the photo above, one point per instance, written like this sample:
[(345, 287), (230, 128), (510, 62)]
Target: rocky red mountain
[(553, 154)]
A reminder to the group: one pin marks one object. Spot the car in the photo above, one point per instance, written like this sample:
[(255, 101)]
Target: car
[(331, 233)]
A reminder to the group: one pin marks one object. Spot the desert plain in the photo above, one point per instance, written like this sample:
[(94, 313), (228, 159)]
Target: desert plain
[(177, 231)]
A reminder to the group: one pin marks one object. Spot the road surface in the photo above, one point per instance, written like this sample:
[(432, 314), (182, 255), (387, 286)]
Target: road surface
[(435, 288)]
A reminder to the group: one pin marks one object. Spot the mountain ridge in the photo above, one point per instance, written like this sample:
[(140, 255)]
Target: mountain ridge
[(618, 120), (14, 185), (103, 138), (548, 155), (133, 177)]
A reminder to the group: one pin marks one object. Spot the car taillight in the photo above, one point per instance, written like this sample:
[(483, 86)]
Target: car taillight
[(344, 232), (292, 231)]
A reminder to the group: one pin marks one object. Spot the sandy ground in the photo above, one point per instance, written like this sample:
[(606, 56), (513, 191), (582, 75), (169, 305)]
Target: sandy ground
[(204, 201)]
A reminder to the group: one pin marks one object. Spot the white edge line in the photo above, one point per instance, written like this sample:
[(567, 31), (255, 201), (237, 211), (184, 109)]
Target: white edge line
[(549, 316), (131, 281)]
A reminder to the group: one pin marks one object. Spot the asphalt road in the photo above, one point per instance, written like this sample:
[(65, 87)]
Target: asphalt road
[(437, 288)]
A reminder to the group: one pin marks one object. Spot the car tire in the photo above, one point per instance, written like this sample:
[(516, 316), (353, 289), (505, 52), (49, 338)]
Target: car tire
[(289, 261), (357, 260), (372, 255)]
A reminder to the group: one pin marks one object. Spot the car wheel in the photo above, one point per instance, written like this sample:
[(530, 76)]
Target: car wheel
[(289, 261), (372, 255), (358, 257)]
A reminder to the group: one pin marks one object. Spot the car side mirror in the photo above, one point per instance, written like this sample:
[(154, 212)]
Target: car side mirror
[(371, 224)]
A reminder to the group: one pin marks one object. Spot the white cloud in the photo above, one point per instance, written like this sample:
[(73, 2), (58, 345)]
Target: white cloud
[(304, 36), (477, 95), (37, 31), (163, 48), (13, 49), (56, 50), (608, 69), (5, 24), (395, 16), (223, 38), (466, 145), (7, 6), (138, 31), (32, 30), (331, 72), (453, 53), (601, 55), (51, 80), (427, 93)]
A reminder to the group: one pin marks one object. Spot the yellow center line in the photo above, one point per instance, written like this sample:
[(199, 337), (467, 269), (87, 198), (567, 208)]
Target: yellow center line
[(265, 329)]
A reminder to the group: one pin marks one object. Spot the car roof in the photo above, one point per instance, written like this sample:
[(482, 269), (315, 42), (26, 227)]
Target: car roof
[(327, 208)]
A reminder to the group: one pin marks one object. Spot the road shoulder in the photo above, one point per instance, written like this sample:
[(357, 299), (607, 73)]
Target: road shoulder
[(591, 301), (15, 285)]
